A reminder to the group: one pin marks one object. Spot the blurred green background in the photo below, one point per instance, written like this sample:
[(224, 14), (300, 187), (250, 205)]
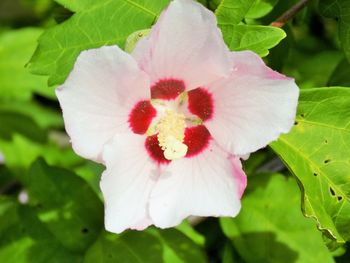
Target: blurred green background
[(51, 208)]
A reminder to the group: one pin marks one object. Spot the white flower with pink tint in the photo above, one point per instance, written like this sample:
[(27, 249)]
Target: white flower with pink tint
[(170, 120)]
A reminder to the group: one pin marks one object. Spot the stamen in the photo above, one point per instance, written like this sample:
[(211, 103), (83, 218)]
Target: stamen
[(171, 128)]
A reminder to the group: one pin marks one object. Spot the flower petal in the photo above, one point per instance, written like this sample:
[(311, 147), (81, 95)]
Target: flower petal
[(204, 185), (185, 44), (98, 96), (127, 182), (252, 107)]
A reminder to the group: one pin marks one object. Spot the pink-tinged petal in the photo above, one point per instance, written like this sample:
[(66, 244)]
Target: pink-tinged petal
[(185, 44), (126, 183), (98, 96), (239, 175), (252, 107), (203, 185)]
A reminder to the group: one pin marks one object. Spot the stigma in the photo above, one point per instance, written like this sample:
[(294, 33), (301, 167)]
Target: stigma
[(171, 133)]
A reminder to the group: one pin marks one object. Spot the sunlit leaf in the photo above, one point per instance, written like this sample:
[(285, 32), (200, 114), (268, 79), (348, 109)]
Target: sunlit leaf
[(231, 12), (256, 38), (106, 23), (16, 82), (317, 151)]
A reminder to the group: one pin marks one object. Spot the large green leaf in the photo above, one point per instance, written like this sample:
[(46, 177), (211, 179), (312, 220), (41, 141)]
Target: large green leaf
[(16, 82), (66, 204), (256, 38), (106, 23), (317, 151), (339, 9), (271, 227), (24, 239), (128, 247)]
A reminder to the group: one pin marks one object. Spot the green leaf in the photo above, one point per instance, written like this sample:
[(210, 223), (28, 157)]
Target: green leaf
[(66, 204), (317, 151), (301, 65), (24, 239), (17, 123), (80, 5), (256, 38), (339, 9), (261, 8), (16, 82), (340, 75), (178, 247), (231, 12), (271, 227), (106, 23), (128, 247)]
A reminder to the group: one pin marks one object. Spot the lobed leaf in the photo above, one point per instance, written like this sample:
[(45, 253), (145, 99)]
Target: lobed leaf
[(317, 151), (256, 38), (109, 22)]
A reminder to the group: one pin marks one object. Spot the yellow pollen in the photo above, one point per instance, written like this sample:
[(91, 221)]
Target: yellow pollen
[(171, 128)]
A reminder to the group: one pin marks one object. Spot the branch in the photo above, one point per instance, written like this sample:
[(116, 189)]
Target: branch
[(283, 19)]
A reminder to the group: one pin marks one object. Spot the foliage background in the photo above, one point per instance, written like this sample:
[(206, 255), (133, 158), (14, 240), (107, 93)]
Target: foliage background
[(294, 210)]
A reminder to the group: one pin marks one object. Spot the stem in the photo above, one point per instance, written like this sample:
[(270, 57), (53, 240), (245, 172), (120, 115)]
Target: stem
[(283, 19)]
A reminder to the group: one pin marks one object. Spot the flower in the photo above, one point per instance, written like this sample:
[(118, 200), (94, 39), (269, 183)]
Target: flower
[(171, 120)]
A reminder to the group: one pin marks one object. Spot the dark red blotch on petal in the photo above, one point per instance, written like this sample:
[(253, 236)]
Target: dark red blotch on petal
[(200, 103), (167, 89), (154, 150), (197, 139), (141, 116)]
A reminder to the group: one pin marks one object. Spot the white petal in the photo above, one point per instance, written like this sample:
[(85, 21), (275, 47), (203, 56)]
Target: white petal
[(97, 97), (185, 44), (127, 182), (204, 185), (252, 107)]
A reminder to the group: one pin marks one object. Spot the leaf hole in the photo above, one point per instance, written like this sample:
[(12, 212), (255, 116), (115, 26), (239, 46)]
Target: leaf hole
[(332, 191), (84, 230), (327, 161), (296, 123), (339, 198), (302, 115), (315, 174)]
